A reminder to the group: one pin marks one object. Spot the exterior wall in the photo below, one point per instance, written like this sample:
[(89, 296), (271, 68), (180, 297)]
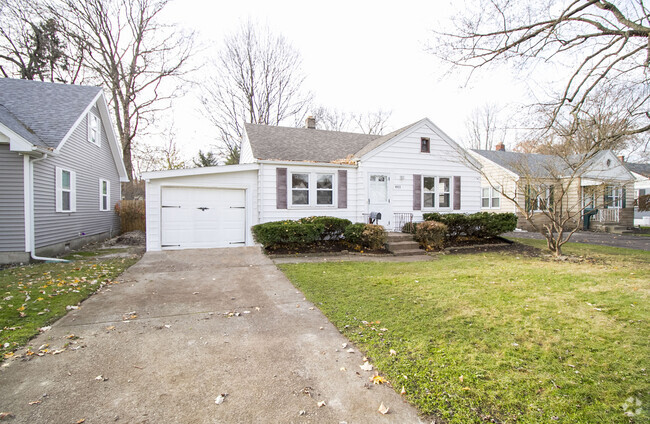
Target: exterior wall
[(12, 201), (246, 152), (90, 163), (242, 180), (401, 159), (267, 196), (641, 183), (493, 175)]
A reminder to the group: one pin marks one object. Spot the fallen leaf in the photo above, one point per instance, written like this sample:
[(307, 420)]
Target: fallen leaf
[(403, 392), (392, 352), (44, 329), (321, 403), (81, 421), (219, 399), (383, 409), (378, 379), (6, 415), (71, 308), (366, 366), (350, 350), (343, 369), (110, 327), (36, 402), (101, 378), (461, 378), (344, 345)]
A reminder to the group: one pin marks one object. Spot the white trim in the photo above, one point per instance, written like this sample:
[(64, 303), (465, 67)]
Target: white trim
[(199, 171), (299, 163), (92, 117), (58, 190), (101, 195), (492, 191), (27, 201)]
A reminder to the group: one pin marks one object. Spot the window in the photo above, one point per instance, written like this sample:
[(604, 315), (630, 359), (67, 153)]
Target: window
[(444, 196), (324, 189), (104, 195), (429, 192), (612, 197), (490, 197), (539, 198), (66, 200), (300, 189), (94, 132), (425, 145), (378, 193)]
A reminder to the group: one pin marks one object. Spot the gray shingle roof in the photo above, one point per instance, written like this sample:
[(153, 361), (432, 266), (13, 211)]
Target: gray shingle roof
[(42, 112), (639, 168), (532, 164), (303, 144)]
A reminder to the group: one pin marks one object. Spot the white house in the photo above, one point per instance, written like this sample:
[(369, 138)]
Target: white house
[(289, 173), (641, 173)]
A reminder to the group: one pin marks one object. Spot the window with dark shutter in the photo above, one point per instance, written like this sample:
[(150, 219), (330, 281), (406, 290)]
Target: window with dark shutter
[(281, 188), (417, 192), (456, 193), (343, 189)]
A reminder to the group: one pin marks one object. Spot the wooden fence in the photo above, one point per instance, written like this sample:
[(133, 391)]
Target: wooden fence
[(132, 215)]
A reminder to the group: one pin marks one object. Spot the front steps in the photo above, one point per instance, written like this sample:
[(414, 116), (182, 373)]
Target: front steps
[(614, 228), (402, 244)]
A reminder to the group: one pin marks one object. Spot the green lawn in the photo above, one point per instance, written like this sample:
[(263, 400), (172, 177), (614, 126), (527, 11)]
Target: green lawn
[(34, 296), (500, 336)]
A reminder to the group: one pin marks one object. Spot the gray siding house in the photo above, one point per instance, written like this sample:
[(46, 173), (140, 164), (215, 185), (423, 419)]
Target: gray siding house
[(60, 168)]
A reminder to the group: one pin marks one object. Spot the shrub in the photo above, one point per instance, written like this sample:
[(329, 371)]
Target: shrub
[(481, 224), (431, 235), (353, 233), (367, 236), (272, 234), (409, 227), (333, 227)]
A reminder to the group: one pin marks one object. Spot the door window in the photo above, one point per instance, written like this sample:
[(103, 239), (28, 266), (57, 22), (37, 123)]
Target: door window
[(378, 189)]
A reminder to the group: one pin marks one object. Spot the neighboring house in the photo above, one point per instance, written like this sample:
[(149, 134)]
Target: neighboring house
[(289, 173), (60, 167), (641, 173), (601, 182)]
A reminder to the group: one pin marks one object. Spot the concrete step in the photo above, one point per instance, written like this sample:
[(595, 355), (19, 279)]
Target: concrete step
[(399, 236), (410, 252), (394, 246)]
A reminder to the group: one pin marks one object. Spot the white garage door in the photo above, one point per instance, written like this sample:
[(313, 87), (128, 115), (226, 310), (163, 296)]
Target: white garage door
[(202, 217)]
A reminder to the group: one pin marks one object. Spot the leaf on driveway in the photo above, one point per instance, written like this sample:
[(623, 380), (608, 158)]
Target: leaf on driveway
[(6, 416), (71, 307), (378, 379), (219, 399), (366, 366), (383, 409), (44, 329), (36, 402), (110, 327), (321, 403), (129, 315)]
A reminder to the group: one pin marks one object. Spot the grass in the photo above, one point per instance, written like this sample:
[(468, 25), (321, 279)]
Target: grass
[(498, 336), (35, 296)]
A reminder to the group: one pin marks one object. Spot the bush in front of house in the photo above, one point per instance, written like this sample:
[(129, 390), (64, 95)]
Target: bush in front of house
[(333, 227), (431, 235), (287, 233), (368, 236), (409, 227), (479, 225)]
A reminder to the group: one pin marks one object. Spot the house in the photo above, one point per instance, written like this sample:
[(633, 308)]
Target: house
[(289, 173), (641, 173), (532, 184), (60, 167)]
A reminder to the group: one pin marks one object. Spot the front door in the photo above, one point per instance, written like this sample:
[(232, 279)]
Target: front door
[(379, 198)]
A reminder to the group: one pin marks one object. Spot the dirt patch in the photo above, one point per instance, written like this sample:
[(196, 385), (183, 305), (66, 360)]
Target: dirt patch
[(132, 238)]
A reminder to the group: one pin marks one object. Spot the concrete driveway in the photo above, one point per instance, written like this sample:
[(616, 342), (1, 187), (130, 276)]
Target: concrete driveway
[(208, 322)]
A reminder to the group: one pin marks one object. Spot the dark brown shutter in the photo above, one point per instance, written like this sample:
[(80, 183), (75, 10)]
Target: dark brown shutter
[(281, 188), (417, 192), (456, 193), (343, 189)]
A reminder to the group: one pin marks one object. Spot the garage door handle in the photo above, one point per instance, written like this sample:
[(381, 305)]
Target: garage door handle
[(203, 208), (238, 207), (166, 206)]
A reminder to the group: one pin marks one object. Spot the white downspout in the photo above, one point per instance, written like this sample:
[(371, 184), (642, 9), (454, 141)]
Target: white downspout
[(32, 231)]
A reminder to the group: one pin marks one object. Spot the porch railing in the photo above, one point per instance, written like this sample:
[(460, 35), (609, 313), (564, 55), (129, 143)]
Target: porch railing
[(401, 219), (608, 215)]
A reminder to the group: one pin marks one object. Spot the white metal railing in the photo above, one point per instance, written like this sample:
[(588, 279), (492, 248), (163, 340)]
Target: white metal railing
[(608, 215)]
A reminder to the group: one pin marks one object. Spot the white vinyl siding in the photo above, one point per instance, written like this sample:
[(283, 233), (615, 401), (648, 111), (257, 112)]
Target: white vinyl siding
[(12, 201), (66, 190), (104, 195)]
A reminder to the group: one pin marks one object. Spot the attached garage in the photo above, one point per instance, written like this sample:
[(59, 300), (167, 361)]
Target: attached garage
[(201, 208)]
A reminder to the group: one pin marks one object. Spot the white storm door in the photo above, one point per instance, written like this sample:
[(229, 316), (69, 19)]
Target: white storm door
[(379, 197), (194, 217)]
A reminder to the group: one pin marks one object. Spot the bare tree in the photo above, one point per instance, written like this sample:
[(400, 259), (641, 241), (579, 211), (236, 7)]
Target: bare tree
[(336, 120), (604, 43), (484, 127), (257, 79), (132, 53), (33, 45)]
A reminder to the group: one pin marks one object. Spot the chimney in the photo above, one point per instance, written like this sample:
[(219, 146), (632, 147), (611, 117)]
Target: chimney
[(310, 123), (622, 158), (500, 147)]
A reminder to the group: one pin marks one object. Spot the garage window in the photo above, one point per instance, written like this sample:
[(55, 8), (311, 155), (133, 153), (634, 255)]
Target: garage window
[(300, 189)]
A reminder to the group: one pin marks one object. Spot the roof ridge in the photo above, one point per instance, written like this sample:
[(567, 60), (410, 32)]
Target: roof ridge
[(313, 129)]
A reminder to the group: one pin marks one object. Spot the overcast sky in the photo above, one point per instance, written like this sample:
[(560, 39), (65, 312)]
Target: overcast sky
[(358, 56)]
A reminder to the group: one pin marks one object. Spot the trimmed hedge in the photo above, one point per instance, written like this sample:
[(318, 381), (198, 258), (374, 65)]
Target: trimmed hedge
[(368, 236), (480, 225), (431, 235), (287, 233), (334, 227)]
